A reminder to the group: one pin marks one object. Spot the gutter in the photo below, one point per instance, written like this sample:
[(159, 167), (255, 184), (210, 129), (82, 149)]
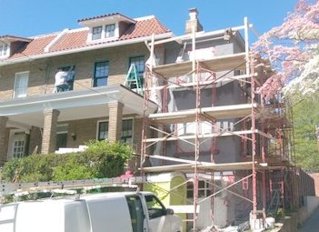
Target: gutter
[(83, 49)]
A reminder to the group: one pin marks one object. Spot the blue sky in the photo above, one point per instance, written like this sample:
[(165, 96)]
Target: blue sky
[(35, 17)]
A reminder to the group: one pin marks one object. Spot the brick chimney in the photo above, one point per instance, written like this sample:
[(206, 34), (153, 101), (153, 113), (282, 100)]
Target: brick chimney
[(193, 20)]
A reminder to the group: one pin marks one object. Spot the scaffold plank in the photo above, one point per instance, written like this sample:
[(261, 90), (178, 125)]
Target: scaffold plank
[(208, 135), (216, 64), (217, 112), (205, 167)]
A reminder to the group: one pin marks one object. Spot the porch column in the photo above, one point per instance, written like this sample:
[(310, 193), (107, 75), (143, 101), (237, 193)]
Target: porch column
[(134, 163), (3, 140), (49, 130), (115, 121), (35, 140)]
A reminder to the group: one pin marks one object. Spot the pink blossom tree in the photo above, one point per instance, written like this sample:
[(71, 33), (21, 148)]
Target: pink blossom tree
[(292, 49)]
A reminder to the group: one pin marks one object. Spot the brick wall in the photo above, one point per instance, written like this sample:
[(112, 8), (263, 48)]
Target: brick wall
[(49, 131), (315, 177), (41, 73), (3, 140), (35, 140), (86, 130)]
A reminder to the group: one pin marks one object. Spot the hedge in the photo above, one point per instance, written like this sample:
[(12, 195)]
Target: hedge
[(101, 159)]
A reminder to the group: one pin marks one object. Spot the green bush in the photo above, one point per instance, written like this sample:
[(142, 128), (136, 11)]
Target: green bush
[(101, 159)]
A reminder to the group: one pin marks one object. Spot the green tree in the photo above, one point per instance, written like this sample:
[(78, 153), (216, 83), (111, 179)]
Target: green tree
[(305, 121)]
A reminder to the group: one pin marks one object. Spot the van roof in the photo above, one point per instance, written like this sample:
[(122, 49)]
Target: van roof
[(69, 199), (110, 195)]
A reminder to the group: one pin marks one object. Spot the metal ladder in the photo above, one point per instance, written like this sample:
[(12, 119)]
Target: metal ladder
[(133, 81), (86, 184)]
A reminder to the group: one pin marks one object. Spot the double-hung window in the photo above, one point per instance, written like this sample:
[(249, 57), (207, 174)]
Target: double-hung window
[(103, 32), (139, 63), (21, 84), (4, 50), (97, 32), (101, 73), (126, 133), (68, 81), (103, 128), (109, 30)]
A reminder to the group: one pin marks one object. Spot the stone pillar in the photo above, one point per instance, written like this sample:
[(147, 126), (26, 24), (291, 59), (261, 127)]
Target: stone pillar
[(49, 130), (3, 140), (115, 121)]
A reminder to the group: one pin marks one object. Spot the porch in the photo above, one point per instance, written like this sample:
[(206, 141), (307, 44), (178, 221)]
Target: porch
[(30, 125)]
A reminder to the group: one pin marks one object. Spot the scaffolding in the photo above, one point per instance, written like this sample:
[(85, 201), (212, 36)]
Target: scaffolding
[(261, 125)]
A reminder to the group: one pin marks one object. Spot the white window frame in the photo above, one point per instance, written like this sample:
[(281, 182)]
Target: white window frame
[(98, 127), (129, 118), (206, 189), (17, 93), (13, 133), (4, 50), (62, 128), (104, 34), (100, 35), (111, 33)]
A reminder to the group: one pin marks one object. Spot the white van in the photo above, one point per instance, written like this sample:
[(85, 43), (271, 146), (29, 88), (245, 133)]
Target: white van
[(105, 212)]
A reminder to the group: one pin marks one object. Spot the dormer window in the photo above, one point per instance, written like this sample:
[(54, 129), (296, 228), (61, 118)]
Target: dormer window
[(9, 44), (4, 50), (106, 27), (104, 32), (109, 30), (97, 32)]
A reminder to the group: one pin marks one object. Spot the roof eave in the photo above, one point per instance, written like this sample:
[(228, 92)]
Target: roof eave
[(83, 49), (115, 17), (12, 38)]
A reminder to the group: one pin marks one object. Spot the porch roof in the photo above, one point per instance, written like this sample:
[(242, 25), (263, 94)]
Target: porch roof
[(73, 105)]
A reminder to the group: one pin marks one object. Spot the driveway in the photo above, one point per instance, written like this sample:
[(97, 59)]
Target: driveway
[(312, 224)]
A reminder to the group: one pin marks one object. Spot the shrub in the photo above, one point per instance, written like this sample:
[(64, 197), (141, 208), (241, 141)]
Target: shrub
[(101, 159)]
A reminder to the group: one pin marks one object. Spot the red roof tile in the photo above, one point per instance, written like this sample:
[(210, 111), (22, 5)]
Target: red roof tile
[(74, 39), (144, 28), (35, 47), (70, 40)]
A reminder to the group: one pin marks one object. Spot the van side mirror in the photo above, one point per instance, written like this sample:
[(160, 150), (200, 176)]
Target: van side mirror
[(169, 211)]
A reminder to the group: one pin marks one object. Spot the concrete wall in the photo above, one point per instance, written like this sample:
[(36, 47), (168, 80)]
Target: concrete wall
[(226, 94)]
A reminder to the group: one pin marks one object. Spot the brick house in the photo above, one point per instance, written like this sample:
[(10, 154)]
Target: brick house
[(96, 104), (35, 118)]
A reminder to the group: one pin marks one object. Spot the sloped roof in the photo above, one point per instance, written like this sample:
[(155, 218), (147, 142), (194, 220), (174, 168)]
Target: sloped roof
[(77, 38), (13, 38), (35, 47), (122, 17), (144, 28)]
